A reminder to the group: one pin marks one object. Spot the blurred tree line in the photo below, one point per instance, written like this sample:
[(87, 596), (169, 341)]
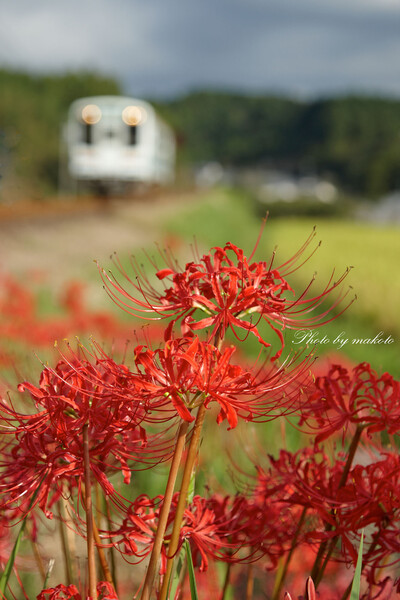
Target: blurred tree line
[(355, 141), (32, 111)]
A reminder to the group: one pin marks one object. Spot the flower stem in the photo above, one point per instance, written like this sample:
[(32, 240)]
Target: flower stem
[(250, 581), (321, 571), (282, 574), (164, 512), (318, 571), (350, 456), (38, 559), (112, 550), (226, 580), (68, 564), (100, 550), (89, 515), (180, 509)]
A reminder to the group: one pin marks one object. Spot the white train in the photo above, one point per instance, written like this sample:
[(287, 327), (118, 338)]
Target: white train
[(113, 140)]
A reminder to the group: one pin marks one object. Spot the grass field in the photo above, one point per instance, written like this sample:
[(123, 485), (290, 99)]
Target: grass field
[(371, 251)]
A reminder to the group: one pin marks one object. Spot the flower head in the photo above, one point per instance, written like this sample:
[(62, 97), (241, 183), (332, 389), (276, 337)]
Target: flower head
[(105, 591), (187, 372), (369, 499), (357, 396), (223, 290), (47, 448)]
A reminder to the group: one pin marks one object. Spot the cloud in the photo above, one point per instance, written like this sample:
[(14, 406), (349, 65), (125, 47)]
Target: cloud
[(51, 36), (169, 46)]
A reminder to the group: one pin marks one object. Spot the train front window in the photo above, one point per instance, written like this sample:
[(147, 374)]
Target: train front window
[(132, 135), (90, 115), (87, 134)]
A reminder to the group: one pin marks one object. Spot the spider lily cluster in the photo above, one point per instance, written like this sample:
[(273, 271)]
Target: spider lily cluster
[(91, 419)]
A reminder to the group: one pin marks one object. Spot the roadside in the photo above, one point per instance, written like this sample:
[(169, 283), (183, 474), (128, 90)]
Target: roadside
[(59, 241)]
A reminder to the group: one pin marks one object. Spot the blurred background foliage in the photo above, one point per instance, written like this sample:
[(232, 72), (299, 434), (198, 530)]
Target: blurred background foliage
[(352, 141), (32, 110)]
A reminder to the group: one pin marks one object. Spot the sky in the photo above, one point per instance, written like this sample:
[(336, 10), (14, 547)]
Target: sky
[(166, 48)]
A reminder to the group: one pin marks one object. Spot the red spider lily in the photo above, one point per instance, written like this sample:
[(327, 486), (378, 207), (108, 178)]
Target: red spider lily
[(305, 476), (60, 592), (105, 591), (279, 522), (358, 396), (368, 499), (201, 528), (48, 446), (187, 373), (228, 289), (310, 480), (236, 529), (220, 528), (137, 532), (20, 317), (372, 500)]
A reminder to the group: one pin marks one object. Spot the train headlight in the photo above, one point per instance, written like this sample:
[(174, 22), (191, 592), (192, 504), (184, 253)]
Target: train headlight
[(134, 115), (91, 114)]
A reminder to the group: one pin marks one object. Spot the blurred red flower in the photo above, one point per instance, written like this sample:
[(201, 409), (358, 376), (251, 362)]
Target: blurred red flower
[(105, 591), (355, 396)]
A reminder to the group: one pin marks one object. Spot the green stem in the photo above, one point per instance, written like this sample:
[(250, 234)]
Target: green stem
[(226, 580), (164, 512), (350, 456), (180, 509), (38, 559), (281, 577), (102, 557), (318, 571), (69, 577), (10, 563), (250, 581), (321, 571), (112, 549), (347, 591), (89, 516)]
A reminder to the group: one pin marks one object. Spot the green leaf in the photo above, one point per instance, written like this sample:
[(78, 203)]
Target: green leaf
[(176, 573), (355, 588), (48, 572), (10, 563), (192, 579), (192, 487)]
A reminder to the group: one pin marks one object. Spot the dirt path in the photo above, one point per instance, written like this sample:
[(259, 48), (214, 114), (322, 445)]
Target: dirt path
[(62, 243)]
